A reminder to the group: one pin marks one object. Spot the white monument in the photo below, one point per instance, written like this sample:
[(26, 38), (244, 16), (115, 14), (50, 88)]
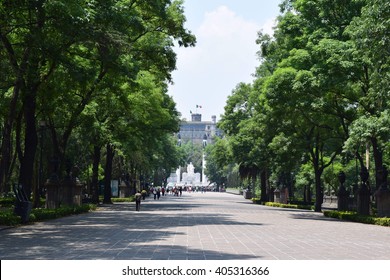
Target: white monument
[(190, 177)]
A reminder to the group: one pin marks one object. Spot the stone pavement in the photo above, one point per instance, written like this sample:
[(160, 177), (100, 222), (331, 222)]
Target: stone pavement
[(196, 226)]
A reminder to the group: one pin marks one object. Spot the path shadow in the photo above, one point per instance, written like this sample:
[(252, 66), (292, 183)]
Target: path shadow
[(93, 237), (314, 217)]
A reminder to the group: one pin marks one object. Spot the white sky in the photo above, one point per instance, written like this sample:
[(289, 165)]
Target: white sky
[(225, 53)]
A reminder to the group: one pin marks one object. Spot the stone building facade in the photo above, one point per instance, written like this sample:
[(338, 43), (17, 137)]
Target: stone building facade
[(197, 131)]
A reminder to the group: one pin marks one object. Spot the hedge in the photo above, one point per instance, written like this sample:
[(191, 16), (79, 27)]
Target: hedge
[(8, 218), (354, 217)]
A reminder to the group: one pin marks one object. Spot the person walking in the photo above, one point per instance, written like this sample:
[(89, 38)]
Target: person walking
[(154, 194), (158, 193), (138, 197)]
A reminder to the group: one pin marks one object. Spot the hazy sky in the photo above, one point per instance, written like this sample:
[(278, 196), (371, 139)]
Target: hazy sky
[(225, 54)]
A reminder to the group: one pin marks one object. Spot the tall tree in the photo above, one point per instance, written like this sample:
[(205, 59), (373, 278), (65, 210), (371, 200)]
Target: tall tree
[(64, 52), (370, 42)]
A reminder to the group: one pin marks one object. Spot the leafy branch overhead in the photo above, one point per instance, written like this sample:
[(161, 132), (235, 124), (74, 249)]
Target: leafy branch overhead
[(320, 97), (91, 71)]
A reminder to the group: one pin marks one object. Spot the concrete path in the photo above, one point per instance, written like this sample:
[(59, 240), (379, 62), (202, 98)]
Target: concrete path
[(196, 226)]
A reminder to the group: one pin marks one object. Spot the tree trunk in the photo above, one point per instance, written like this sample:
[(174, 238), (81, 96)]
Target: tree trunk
[(19, 72), (319, 190), (315, 154), (305, 196), (5, 156), (378, 159), (263, 180), (26, 174), (95, 174), (108, 174)]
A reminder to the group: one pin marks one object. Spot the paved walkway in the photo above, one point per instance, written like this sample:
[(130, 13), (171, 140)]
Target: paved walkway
[(196, 226)]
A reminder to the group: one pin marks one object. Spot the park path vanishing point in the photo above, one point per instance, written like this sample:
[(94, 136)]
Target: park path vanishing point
[(196, 226)]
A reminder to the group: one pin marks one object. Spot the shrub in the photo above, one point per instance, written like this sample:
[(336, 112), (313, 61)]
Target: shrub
[(354, 217), (7, 201), (123, 199), (291, 206), (257, 200), (41, 214), (8, 217), (281, 205)]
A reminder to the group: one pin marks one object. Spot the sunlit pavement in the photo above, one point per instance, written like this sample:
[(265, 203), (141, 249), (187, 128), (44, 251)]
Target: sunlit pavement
[(196, 226)]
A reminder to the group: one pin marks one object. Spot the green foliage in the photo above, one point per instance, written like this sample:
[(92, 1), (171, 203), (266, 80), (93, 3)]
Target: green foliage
[(367, 127), (98, 72), (330, 178), (124, 199), (322, 86), (7, 201), (282, 205), (354, 217), (192, 152), (40, 214), (341, 215), (8, 218), (219, 168), (292, 206), (256, 200), (237, 109)]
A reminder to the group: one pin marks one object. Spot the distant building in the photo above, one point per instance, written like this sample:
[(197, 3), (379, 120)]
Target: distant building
[(197, 131)]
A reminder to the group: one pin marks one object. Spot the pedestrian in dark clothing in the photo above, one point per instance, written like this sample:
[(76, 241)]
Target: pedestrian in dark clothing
[(158, 193), (138, 197)]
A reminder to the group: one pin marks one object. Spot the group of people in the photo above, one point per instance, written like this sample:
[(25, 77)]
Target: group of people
[(162, 191), (177, 191), (157, 193), (196, 189)]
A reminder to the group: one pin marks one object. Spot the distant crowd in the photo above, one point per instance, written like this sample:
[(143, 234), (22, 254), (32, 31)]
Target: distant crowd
[(175, 190)]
